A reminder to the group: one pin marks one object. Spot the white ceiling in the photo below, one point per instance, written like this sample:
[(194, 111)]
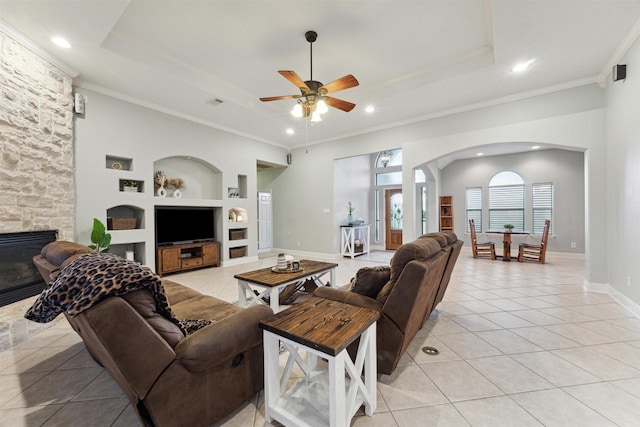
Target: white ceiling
[(413, 59)]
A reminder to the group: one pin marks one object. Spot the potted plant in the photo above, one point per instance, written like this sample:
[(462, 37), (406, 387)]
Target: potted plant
[(99, 237), (508, 227), (130, 186)]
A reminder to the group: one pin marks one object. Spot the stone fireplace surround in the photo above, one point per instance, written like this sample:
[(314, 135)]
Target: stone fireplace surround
[(36, 146)]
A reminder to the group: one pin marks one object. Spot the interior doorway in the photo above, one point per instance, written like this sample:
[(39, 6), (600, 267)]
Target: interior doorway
[(393, 218), (265, 223)]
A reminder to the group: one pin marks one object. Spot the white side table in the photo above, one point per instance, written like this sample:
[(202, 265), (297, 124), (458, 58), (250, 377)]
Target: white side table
[(320, 328), (349, 235)]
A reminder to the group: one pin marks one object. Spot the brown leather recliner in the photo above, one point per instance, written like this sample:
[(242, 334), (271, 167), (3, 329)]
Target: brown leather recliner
[(403, 293), (171, 380), (452, 246)]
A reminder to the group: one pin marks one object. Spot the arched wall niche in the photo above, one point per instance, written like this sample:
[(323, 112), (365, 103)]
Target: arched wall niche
[(201, 179), (116, 213)]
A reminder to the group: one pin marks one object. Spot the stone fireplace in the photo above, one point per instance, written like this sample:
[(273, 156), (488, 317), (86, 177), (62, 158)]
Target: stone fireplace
[(37, 191)]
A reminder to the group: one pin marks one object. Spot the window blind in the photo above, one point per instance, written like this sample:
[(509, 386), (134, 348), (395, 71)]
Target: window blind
[(506, 206), (542, 204), (474, 207)]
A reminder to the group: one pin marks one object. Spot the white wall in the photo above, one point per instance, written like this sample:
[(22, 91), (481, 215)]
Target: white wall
[(565, 169), (573, 119), (623, 178), (118, 128)]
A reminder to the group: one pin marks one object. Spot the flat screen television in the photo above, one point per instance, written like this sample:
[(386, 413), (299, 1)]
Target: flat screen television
[(178, 224)]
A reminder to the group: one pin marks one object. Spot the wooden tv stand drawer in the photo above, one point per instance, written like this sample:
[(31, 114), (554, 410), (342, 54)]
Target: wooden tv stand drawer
[(176, 258), (191, 262)]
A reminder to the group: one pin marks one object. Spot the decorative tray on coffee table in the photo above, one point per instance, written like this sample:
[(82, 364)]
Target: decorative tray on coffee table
[(287, 270)]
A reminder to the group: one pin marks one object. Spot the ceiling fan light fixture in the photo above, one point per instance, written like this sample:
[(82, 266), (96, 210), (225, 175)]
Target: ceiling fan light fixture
[(316, 117), (297, 110), (321, 107)]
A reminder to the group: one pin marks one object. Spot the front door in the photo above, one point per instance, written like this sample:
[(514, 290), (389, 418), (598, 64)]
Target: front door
[(393, 215)]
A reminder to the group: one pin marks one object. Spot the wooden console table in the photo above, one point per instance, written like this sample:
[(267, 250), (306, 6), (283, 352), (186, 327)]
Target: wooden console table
[(321, 329), (349, 235)]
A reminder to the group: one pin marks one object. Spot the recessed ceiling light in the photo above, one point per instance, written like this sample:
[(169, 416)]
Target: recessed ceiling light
[(61, 42), (522, 66), (370, 109), (479, 154), (535, 147), (290, 131)]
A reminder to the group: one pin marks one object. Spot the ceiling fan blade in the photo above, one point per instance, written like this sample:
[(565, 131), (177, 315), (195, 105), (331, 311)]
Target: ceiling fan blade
[(294, 78), (277, 98), (339, 103), (342, 83)]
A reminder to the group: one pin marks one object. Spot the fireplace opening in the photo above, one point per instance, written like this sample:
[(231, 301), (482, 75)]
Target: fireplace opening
[(19, 277)]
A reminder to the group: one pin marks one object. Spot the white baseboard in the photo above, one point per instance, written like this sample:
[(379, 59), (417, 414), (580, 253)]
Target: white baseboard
[(624, 301), (318, 256), (602, 288), (238, 261), (619, 297)]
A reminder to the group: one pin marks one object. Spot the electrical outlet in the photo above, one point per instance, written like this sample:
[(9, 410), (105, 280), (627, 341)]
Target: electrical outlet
[(573, 245)]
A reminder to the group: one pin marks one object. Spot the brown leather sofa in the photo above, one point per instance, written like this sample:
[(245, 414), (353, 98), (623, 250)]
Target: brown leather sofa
[(404, 293), (170, 379)]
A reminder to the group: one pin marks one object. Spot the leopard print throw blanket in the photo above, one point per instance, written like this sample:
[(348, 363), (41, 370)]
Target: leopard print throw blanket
[(95, 276)]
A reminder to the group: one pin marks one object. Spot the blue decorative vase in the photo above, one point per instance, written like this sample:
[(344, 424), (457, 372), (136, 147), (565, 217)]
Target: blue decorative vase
[(349, 219)]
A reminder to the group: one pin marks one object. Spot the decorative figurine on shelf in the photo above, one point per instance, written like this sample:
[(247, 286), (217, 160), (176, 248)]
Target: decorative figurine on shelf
[(159, 179), (350, 208), (176, 183)]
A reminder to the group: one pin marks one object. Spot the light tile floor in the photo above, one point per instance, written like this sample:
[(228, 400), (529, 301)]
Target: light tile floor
[(520, 344)]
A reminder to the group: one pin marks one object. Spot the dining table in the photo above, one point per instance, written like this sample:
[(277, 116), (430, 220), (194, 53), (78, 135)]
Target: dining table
[(506, 241)]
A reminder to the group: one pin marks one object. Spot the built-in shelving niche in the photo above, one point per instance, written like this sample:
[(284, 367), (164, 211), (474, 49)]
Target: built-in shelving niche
[(123, 223), (238, 215), (201, 179), (127, 212), (134, 251), (237, 252), (237, 234), (119, 163)]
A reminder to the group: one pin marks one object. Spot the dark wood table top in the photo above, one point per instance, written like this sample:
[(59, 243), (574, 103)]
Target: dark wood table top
[(267, 277), (325, 325), (508, 232)]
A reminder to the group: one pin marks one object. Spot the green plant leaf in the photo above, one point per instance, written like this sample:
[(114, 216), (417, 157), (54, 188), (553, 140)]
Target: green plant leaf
[(99, 237)]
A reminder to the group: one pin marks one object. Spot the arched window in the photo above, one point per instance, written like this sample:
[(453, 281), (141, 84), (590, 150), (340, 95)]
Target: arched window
[(506, 200)]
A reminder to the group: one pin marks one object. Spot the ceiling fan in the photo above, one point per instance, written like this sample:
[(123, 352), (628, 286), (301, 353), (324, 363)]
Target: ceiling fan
[(313, 100)]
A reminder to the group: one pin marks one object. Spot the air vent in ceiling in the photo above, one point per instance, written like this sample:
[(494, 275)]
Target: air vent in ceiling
[(215, 102)]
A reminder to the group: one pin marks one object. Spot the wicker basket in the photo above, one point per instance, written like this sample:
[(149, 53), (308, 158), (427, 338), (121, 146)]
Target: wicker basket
[(121, 223), (236, 234), (236, 252)]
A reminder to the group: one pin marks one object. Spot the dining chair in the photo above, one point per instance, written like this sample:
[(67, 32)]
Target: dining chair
[(481, 249), (536, 253)]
